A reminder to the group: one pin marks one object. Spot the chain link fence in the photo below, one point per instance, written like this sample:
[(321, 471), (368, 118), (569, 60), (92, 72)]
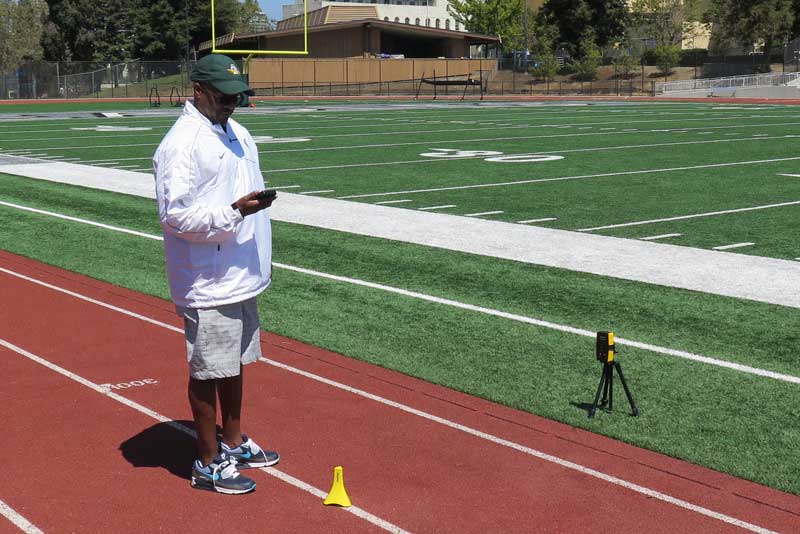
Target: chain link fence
[(44, 79), (508, 76)]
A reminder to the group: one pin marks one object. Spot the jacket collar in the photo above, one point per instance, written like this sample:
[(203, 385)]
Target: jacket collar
[(190, 110)]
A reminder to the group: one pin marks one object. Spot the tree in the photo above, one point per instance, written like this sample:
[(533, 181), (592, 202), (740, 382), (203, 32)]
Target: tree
[(591, 56), (795, 32), (251, 19), (756, 22), (667, 56), (542, 37), (663, 21), (667, 23), (88, 30), (625, 62), (117, 30), (161, 30), (21, 28), (491, 17), (606, 19)]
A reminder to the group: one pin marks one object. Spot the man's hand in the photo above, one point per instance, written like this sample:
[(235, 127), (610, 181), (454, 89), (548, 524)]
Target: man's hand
[(249, 204)]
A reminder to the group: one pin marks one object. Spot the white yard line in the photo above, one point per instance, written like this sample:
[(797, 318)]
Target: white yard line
[(297, 483), (413, 411), (488, 140), (92, 147), (662, 236), (482, 213), (563, 178), (445, 206), (692, 216), (23, 524), (790, 175), (101, 161), (316, 192), (735, 245), (394, 201), (546, 219), (273, 129), (565, 151)]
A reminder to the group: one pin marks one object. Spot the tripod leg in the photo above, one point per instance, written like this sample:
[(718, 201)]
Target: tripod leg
[(609, 377), (610, 381), (593, 409), (627, 391)]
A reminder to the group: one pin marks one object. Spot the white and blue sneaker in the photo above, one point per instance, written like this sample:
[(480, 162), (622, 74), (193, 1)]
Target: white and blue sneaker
[(248, 454), (222, 476)]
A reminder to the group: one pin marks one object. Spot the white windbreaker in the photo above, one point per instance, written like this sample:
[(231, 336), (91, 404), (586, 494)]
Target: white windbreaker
[(214, 255)]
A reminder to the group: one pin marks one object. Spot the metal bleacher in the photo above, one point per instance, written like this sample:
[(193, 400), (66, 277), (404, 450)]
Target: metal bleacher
[(727, 86)]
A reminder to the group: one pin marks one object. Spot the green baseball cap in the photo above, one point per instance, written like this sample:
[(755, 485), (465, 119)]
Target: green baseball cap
[(221, 73)]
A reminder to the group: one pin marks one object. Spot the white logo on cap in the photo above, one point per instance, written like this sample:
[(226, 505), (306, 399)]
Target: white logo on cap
[(232, 69)]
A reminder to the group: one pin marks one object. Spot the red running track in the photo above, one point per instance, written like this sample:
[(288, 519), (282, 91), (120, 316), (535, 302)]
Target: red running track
[(435, 461)]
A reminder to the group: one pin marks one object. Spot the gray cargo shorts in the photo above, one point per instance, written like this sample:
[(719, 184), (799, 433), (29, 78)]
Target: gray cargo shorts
[(220, 340)]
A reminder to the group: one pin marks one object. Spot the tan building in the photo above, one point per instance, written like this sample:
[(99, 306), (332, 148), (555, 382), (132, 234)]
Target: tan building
[(357, 31)]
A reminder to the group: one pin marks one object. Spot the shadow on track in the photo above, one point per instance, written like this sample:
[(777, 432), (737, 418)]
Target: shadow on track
[(162, 445)]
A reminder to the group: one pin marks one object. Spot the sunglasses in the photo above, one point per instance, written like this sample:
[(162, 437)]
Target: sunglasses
[(223, 98)]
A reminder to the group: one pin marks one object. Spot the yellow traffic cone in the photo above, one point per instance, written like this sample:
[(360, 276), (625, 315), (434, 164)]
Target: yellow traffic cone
[(338, 495)]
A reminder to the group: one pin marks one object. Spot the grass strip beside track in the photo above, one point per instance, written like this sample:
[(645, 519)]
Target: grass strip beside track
[(737, 423)]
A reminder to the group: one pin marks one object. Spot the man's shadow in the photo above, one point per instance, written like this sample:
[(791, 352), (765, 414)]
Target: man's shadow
[(163, 445)]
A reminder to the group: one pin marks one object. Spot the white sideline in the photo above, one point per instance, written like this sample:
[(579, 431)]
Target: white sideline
[(23, 524), (285, 477), (437, 300), (446, 422)]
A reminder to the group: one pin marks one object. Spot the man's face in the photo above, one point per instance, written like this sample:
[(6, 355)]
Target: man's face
[(216, 106)]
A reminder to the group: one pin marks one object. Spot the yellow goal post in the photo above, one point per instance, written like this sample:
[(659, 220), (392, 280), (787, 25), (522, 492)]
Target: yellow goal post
[(303, 52)]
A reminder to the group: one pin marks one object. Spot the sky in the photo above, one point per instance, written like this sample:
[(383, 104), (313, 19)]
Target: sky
[(273, 8)]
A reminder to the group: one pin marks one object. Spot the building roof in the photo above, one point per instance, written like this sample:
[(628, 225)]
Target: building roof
[(330, 15), (390, 27)]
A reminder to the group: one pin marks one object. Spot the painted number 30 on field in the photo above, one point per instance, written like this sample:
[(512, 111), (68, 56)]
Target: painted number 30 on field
[(489, 155)]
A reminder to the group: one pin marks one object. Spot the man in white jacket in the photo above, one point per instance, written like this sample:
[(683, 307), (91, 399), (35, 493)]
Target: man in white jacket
[(218, 248)]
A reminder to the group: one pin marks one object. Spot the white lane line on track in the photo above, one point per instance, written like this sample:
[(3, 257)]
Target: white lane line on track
[(563, 178), (285, 477), (23, 524), (430, 417), (693, 216), (437, 300), (538, 454)]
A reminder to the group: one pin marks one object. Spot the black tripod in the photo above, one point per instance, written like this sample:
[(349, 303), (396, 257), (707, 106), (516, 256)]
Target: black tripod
[(607, 387)]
